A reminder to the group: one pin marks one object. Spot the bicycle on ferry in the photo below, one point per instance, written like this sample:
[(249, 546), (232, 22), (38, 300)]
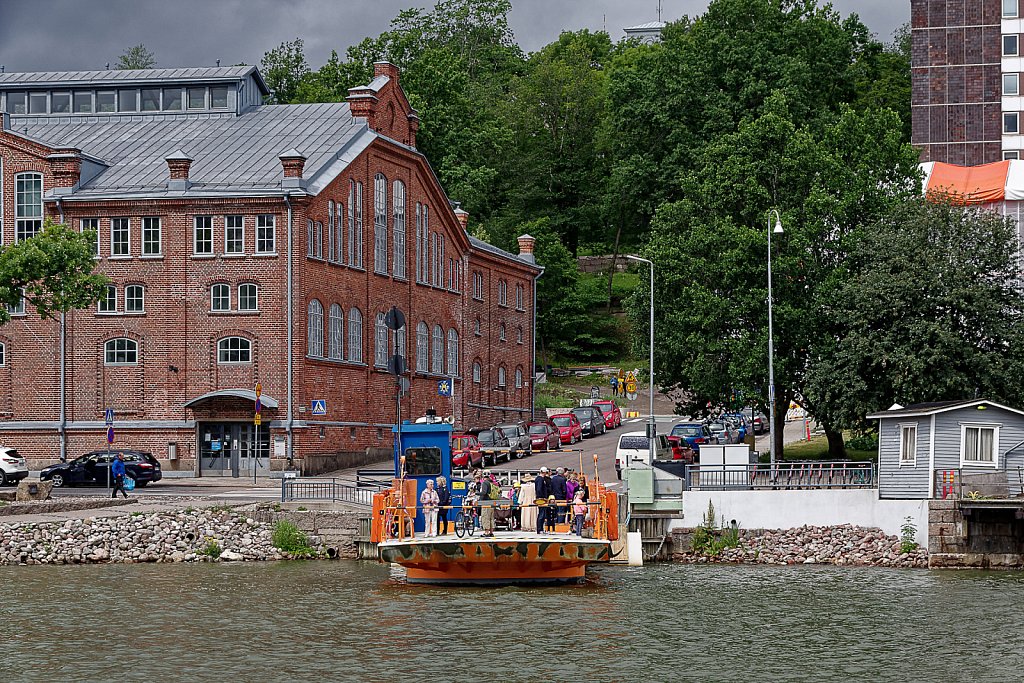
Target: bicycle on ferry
[(466, 521)]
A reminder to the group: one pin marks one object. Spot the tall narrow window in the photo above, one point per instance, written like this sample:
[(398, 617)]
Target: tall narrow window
[(501, 332), (426, 237), (398, 199), (380, 224), (315, 345), (358, 239), (234, 350), (85, 225), (336, 333), (234, 235), (355, 335), (330, 230), (422, 348), (248, 297), (453, 353), (28, 205), (134, 299), (151, 236), (339, 229), (380, 342), (351, 222), (519, 298), (476, 372), (501, 377), (502, 293), (220, 297), (433, 259), (908, 444), (120, 236), (265, 234), (121, 352), (519, 378), (3, 355), (419, 242), (437, 352), (108, 303), (440, 261), (315, 235), (202, 235), (400, 342)]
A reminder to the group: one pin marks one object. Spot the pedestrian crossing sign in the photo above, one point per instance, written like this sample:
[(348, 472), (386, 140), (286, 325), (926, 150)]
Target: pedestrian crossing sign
[(318, 407), (444, 388)]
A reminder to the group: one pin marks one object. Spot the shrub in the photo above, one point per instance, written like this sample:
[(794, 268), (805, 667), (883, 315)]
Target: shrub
[(211, 549), (863, 442), (290, 539), (709, 540), (907, 533)]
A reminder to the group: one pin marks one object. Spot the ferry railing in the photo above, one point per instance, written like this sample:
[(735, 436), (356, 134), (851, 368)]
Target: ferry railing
[(316, 489), (784, 475), (374, 479)]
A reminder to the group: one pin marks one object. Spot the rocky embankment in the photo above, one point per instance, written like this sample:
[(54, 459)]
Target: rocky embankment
[(200, 535), (844, 545)]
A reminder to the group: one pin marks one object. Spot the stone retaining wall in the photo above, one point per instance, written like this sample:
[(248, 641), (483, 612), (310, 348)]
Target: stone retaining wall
[(962, 536), (337, 529), (63, 505)]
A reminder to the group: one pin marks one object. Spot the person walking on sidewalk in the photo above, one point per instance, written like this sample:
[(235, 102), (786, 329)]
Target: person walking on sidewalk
[(117, 471), (429, 500)]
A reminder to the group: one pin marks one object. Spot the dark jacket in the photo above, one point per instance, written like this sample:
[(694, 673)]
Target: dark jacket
[(543, 487), (117, 469), (558, 486), (444, 496)]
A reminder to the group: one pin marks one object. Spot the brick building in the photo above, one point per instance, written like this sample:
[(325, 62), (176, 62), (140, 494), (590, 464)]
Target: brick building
[(247, 242), (966, 87)]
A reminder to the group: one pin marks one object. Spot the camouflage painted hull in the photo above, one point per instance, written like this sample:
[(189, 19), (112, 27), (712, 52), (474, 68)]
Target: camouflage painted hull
[(505, 559)]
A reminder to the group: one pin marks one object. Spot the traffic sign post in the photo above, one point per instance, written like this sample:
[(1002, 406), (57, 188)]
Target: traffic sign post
[(108, 418), (257, 420)]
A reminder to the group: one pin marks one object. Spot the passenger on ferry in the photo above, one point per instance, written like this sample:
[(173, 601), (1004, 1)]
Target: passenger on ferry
[(429, 501), (444, 501), (484, 490), (559, 491), (579, 509), (515, 495), (527, 500), (542, 489)]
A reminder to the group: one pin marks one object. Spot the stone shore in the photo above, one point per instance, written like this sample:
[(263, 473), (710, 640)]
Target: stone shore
[(843, 545), (191, 535)]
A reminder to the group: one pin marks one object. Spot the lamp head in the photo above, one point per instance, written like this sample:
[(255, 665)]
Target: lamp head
[(778, 227)]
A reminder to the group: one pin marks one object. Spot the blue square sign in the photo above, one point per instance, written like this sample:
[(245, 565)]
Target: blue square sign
[(318, 407)]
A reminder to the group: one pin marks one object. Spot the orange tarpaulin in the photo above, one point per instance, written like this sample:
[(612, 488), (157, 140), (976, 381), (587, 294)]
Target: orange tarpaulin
[(969, 184)]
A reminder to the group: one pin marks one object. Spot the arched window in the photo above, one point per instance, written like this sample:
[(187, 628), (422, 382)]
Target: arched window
[(398, 202), (519, 335), (380, 224), (453, 353), (437, 353), (220, 297), (355, 335), (234, 350), (519, 378), (519, 297), (380, 342), (134, 299), (501, 376), (476, 372), (28, 205), (422, 347), (501, 332), (315, 330), (248, 297), (336, 335), (339, 228), (330, 230), (400, 340), (121, 352), (477, 327)]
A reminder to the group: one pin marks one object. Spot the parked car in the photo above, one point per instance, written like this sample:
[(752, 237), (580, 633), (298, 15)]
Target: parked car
[(466, 451), (544, 436), (493, 445), (590, 419), (741, 423), (518, 439), (725, 432), (636, 446), (758, 420), (12, 466), (569, 428), (610, 411), (695, 434), (91, 469)]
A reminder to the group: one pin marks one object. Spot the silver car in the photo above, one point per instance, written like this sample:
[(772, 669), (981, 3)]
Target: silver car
[(518, 439)]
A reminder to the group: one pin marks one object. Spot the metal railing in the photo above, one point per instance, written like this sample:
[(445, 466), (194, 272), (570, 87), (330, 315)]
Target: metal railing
[(376, 480), (957, 483), (313, 489), (785, 475)]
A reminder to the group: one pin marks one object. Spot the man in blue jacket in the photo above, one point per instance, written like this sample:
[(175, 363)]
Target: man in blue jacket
[(118, 472), (543, 488)]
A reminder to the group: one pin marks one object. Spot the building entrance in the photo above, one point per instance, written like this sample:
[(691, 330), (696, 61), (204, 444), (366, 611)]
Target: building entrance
[(229, 449)]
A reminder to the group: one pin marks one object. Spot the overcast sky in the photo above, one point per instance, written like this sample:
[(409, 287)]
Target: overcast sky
[(42, 35)]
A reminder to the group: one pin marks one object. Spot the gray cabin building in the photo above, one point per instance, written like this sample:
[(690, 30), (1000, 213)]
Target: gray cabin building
[(972, 438)]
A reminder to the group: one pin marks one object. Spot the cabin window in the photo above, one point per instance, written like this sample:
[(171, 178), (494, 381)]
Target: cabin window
[(422, 461), (908, 445), (978, 444)]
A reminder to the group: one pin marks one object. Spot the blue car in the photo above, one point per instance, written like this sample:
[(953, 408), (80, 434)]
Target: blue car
[(695, 434)]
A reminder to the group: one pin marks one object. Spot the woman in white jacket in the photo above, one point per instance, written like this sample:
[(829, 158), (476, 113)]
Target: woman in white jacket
[(429, 501), (527, 503)]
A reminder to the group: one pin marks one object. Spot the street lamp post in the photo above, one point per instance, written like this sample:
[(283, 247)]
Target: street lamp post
[(652, 429), (771, 347)]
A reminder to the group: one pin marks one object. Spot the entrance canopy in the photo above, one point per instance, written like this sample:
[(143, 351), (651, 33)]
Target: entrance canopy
[(245, 394), (996, 182)]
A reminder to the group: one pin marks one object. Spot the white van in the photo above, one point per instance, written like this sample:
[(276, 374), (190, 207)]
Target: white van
[(635, 446)]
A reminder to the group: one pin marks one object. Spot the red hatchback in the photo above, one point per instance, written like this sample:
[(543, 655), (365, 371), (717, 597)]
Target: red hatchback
[(544, 436), (569, 428), (466, 451), (610, 411)]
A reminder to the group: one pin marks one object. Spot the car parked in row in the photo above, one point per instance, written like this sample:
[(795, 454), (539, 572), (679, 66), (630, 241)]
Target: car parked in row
[(493, 445), (12, 466), (569, 428), (611, 413), (696, 434), (518, 439), (591, 420), (91, 469), (636, 446), (466, 451), (758, 420), (740, 422), (544, 436), (724, 431)]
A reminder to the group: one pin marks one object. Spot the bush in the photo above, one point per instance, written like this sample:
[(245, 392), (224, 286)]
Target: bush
[(290, 539), (907, 533), (709, 540), (211, 549), (863, 442)]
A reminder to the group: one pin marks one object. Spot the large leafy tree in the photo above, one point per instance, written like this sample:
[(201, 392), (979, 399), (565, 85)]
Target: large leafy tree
[(53, 271), (284, 69), (926, 307)]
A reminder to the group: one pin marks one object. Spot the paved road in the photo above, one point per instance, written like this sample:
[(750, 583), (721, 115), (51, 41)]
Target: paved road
[(226, 492)]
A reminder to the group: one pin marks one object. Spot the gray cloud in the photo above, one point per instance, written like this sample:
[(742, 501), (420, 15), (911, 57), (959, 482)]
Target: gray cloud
[(40, 35)]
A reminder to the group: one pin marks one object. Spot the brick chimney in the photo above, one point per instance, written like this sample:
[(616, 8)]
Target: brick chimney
[(179, 165), (463, 217), (386, 69), (66, 165), (526, 243), (293, 162)]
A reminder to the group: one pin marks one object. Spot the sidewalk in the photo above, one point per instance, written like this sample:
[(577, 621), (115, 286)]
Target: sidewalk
[(141, 506)]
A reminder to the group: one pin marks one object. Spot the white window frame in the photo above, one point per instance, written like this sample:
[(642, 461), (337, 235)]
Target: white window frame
[(453, 352), (398, 228), (1016, 44), (520, 298), (114, 231), (224, 346), (476, 372), (380, 342), (380, 224), (339, 229), (355, 335), (1014, 80), (3, 354), (905, 428), (1011, 9), (148, 232), (336, 333), (519, 378), (422, 347), (503, 293), (129, 346), (1011, 154), (1013, 129), (228, 239), (330, 230), (208, 228), (141, 299), (437, 351), (501, 376), (964, 426), (83, 225), (315, 329), (102, 303), (255, 297), (266, 234), (214, 298), (23, 224)]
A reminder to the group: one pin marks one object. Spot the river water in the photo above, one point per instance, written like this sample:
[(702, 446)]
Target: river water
[(358, 621)]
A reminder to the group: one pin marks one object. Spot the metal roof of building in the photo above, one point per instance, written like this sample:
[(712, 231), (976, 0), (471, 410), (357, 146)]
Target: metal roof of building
[(920, 409), (125, 76), (649, 26), (230, 153), (484, 246)]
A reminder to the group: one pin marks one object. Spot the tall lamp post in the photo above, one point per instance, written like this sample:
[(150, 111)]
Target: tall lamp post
[(652, 429), (771, 346)]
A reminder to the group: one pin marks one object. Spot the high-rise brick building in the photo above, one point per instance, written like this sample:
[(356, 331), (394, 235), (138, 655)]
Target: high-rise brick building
[(247, 243)]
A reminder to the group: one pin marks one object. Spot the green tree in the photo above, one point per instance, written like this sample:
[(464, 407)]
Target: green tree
[(137, 57), (927, 307), (284, 69), (882, 74), (53, 271)]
